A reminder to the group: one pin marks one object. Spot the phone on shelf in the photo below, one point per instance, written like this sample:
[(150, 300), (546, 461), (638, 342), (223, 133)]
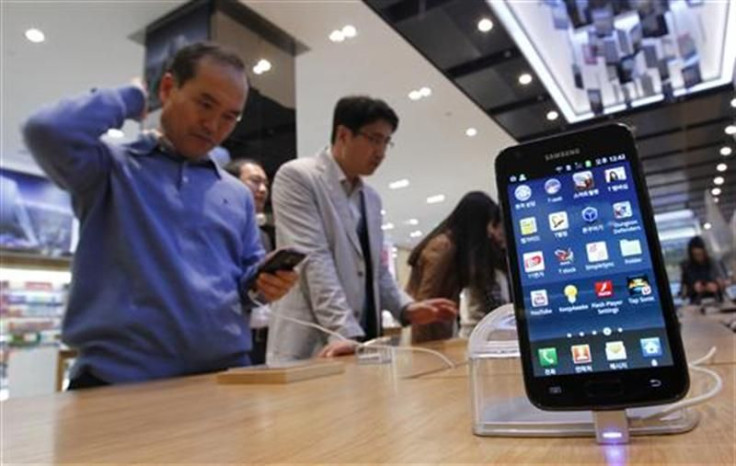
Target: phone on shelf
[(282, 259), (596, 321)]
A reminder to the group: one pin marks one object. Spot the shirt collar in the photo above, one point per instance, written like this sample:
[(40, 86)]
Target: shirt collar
[(347, 186), (153, 143)]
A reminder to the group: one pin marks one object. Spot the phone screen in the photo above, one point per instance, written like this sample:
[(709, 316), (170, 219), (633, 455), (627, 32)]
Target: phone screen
[(590, 296)]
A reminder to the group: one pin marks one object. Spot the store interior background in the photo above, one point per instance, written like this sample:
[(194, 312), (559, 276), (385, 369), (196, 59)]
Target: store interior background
[(93, 45)]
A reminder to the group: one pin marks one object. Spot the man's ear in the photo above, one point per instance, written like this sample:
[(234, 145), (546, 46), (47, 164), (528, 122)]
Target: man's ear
[(343, 133), (168, 83)]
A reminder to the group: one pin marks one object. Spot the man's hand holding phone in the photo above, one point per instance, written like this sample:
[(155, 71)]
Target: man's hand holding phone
[(276, 274)]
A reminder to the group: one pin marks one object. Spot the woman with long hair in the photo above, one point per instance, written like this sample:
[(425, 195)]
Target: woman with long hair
[(701, 275), (466, 251)]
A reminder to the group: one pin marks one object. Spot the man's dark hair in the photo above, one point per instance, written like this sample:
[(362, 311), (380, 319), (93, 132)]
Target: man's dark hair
[(184, 64), (354, 112), (234, 167)]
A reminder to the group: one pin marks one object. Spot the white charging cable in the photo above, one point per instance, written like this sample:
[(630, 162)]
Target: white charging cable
[(369, 344), (696, 400)]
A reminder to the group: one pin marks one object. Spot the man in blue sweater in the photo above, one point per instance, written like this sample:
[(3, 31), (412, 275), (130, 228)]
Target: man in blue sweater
[(169, 245)]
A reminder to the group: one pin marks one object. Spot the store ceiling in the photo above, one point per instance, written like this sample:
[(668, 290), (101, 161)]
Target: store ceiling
[(679, 141)]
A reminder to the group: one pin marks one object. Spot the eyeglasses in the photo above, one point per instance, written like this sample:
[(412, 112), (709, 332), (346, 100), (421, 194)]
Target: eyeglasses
[(377, 140)]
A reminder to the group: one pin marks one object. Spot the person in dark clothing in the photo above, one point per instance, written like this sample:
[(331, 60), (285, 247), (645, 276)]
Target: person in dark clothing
[(701, 276), (252, 174)]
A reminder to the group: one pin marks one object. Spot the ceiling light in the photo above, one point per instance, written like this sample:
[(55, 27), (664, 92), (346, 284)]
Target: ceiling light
[(721, 167), (716, 191), (552, 115), (718, 180), (470, 132), (425, 91), (35, 35), (415, 234), (525, 79), (730, 129), (337, 36), (715, 199), (707, 225), (262, 66), (412, 221), (383, 213), (726, 151), (415, 95), (387, 226), (115, 133), (485, 25), (733, 103), (349, 31), (399, 184), (435, 199)]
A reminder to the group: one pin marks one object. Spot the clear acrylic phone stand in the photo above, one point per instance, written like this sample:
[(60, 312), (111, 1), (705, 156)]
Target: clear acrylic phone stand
[(501, 408)]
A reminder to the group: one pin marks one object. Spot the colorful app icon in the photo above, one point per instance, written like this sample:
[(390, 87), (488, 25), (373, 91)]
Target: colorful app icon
[(523, 192), (558, 221), (615, 351), (547, 357), (528, 225), (639, 285), (614, 175), (651, 347), (571, 293), (597, 252), (590, 214), (583, 181), (581, 354), (564, 255), (539, 298), (622, 210), (630, 247), (604, 289), (552, 186), (534, 261)]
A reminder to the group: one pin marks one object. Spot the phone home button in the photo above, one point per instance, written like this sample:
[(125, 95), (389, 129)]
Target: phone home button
[(604, 388)]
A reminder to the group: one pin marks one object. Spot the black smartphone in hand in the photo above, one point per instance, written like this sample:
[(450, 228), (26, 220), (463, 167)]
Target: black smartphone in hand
[(282, 259), (596, 321)]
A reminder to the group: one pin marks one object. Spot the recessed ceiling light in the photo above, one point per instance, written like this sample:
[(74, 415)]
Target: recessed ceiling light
[(726, 151), (399, 184), (552, 115), (707, 225), (337, 36), (733, 103), (470, 132), (721, 167), (387, 226), (730, 129), (349, 31), (383, 213), (485, 25), (412, 221), (436, 199), (425, 91), (716, 191), (525, 79), (262, 66), (715, 199), (718, 180), (115, 133), (415, 95), (415, 234), (35, 35)]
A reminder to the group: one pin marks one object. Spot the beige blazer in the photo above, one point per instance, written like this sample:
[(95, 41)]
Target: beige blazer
[(312, 213)]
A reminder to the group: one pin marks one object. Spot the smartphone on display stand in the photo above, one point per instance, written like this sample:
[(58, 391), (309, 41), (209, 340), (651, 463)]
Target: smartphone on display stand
[(596, 322)]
